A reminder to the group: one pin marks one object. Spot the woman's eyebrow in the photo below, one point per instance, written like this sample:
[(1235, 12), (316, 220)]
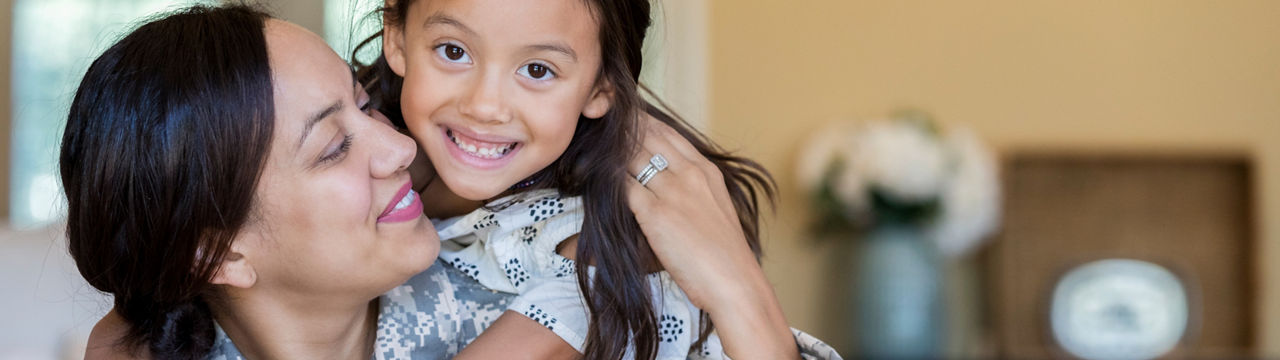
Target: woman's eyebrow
[(314, 119)]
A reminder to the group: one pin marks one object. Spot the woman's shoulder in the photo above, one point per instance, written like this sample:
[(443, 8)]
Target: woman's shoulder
[(434, 314), (438, 289)]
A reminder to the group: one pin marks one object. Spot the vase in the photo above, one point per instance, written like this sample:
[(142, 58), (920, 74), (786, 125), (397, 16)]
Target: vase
[(897, 295)]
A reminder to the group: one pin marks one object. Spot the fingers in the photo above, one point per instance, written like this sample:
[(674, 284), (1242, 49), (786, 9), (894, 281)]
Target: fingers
[(641, 199), (656, 143), (695, 164)]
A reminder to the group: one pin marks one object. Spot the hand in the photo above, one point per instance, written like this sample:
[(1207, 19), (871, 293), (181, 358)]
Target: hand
[(686, 213)]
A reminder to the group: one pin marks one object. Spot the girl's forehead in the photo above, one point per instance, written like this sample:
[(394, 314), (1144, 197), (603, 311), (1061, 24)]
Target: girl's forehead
[(523, 18)]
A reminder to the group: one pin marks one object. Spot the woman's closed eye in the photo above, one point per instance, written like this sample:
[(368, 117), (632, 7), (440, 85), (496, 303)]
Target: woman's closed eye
[(336, 151), (453, 53)]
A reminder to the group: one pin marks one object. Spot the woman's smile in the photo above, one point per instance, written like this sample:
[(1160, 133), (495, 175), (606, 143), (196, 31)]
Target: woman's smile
[(404, 206)]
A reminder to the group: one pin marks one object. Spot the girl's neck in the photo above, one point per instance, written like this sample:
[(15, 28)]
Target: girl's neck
[(439, 202), (262, 327), (443, 203)]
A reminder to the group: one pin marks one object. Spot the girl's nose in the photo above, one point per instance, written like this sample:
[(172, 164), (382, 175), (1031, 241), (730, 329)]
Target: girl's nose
[(485, 102)]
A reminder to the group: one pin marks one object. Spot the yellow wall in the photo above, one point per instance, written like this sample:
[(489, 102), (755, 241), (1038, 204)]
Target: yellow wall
[(1129, 76)]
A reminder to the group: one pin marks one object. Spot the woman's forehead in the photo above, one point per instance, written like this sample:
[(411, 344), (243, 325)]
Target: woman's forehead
[(298, 54), (306, 73)]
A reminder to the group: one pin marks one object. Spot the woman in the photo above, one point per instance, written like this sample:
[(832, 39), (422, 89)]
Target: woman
[(239, 199)]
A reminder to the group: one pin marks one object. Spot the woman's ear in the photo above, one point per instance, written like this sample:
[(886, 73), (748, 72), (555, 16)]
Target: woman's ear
[(236, 269), (393, 48), (600, 102)]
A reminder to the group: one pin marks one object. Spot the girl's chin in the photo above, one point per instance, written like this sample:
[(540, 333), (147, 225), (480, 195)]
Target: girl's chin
[(469, 189)]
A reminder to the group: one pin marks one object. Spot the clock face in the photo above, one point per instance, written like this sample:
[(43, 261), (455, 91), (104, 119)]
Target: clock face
[(1119, 309)]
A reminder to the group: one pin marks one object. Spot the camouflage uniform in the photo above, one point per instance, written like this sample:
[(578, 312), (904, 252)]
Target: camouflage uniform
[(431, 316)]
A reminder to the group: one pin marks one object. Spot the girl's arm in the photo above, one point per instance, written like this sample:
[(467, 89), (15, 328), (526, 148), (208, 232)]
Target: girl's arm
[(515, 336), (692, 226)]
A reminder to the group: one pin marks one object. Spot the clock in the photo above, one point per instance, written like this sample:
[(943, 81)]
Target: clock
[(1119, 309)]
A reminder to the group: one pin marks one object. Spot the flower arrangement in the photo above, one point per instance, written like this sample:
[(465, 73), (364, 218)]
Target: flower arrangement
[(904, 171)]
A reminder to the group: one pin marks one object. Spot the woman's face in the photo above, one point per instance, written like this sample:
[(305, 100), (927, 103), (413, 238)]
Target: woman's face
[(335, 213)]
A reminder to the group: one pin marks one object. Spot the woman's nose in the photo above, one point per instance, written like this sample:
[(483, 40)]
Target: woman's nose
[(393, 151)]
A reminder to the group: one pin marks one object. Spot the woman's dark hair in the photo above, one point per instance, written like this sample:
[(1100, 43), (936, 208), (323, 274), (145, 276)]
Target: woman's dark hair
[(164, 145), (618, 297)]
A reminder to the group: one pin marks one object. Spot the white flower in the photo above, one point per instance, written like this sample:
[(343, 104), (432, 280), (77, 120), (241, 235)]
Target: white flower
[(831, 146), (820, 151), (901, 158), (910, 164), (970, 206)]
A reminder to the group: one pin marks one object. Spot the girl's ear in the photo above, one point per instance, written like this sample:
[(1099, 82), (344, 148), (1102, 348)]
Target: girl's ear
[(600, 102), (236, 269), (393, 48)]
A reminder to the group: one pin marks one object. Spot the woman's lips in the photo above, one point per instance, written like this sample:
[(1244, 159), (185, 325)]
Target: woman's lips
[(404, 206)]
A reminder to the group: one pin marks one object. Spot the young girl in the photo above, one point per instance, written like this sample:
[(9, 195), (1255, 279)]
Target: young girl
[(532, 108)]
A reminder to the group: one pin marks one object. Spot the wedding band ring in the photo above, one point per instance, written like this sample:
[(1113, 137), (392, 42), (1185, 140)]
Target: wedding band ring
[(657, 164)]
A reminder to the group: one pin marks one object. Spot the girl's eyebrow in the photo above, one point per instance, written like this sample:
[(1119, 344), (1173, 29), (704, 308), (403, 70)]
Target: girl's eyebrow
[(559, 48), (442, 19)]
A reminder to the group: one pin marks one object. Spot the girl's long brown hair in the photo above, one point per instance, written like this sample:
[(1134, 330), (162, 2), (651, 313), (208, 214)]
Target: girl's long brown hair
[(595, 167)]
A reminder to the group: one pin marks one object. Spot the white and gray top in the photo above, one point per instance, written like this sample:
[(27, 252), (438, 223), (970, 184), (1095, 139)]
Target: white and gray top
[(510, 246), (504, 258)]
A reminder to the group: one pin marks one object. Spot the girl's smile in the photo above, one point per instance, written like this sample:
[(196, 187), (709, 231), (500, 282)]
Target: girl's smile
[(484, 152)]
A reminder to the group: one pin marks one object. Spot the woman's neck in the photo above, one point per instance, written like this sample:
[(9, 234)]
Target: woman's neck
[(265, 327)]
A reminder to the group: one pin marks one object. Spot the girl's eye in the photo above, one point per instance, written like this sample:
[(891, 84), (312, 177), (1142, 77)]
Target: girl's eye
[(453, 53), (537, 71), (337, 153)]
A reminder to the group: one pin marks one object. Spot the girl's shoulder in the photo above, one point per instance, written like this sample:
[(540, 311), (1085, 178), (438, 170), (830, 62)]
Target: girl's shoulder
[(512, 241), (511, 213)]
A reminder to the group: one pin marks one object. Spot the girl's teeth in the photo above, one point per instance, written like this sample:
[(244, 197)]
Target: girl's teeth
[(491, 153)]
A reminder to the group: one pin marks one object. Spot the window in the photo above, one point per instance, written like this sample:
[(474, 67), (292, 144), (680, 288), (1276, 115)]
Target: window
[(53, 43), (348, 22)]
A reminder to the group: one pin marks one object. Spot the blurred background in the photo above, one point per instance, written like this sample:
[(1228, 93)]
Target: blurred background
[(980, 179)]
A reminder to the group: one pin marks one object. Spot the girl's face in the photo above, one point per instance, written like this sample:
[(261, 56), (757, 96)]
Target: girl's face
[(335, 214), (493, 88)]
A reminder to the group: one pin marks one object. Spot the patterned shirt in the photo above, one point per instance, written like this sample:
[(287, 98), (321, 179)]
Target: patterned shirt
[(510, 246), (436, 313)]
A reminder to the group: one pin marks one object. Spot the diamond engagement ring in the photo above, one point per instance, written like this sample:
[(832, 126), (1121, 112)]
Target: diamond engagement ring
[(657, 163)]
